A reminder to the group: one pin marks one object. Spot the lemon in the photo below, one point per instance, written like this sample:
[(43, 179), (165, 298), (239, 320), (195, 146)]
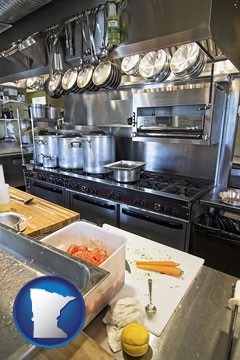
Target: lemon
[(135, 339)]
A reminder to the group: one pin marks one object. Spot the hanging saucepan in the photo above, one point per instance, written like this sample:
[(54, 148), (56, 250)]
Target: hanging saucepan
[(54, 84), (107, 75), (69, 80), (155, 66), (84, 80)]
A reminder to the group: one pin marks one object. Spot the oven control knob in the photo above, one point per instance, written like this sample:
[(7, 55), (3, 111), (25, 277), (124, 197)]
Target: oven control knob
[(42, 177), (140, 202), (92, 190), (29, 173), (165, 210), (84, 188), (61, 182), (72, 185), (51, 179), (175, 212), (157, 207), (114, 196)]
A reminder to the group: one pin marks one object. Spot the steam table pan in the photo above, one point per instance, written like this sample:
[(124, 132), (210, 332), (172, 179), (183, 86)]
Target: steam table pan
[(125, 170), (23, 259)]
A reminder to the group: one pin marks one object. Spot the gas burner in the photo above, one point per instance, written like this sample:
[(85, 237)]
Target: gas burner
[(173, 190)]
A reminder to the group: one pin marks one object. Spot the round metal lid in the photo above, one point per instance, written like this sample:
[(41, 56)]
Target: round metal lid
[(153, 63), (184, 58)]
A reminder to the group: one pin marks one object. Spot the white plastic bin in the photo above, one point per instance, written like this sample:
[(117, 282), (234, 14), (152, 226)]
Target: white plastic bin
[(86, 234)]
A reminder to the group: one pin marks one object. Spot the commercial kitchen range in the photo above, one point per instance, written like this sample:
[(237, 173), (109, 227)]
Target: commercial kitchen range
[(158, 206)]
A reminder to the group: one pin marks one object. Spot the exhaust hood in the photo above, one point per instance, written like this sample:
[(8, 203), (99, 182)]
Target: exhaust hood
[(14, 10), (166, 24)]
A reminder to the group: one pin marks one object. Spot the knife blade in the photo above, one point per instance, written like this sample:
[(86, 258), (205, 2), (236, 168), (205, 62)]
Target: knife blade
[(127, 267), (234, 304)]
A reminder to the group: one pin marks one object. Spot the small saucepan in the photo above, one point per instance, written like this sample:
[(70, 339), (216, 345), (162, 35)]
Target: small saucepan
[(50, 161)]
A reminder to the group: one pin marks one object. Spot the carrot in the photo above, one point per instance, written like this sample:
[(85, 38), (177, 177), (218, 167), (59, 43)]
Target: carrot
[(169, 270), (160, 263)]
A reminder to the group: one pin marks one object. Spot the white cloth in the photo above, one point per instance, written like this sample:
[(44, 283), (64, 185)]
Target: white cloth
[(121, 313)]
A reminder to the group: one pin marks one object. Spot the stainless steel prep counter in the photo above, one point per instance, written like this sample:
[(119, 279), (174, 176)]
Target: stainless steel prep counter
[(212, 199), (197, 330)]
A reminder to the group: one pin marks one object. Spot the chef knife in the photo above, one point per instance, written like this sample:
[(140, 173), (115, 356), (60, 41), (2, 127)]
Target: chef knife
[(234, 304)]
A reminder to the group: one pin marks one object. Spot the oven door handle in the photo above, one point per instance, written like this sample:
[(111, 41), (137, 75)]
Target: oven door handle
[(148, 218), (52, 189), (94, 202)]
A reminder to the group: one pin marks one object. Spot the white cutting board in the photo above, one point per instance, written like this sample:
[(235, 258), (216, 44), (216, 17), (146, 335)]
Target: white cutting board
[(167, 290)]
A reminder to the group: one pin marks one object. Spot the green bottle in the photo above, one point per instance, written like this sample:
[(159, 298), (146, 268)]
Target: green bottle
[(113, 25)]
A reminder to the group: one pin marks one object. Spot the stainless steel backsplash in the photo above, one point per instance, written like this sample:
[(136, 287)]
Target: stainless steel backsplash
[(107, 108)]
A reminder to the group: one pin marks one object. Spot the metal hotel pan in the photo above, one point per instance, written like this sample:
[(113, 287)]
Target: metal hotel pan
[(126, 171)]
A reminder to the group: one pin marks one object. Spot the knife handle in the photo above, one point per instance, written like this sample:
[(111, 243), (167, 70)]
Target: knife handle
[(235, 301)]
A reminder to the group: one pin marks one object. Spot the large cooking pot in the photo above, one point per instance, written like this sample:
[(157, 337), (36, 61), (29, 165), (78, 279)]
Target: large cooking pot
[(38, 111), (45, 145), (53, 113), (98, 150), (70, 152)]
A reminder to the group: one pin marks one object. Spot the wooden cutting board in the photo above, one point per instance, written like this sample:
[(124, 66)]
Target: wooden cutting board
[(81, 348), (42, 216), (168, 290)]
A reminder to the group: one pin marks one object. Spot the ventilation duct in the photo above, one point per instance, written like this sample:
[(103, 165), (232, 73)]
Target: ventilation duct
[(14, 10)]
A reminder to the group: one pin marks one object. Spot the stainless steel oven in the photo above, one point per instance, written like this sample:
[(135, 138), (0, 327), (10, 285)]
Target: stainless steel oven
[(163, 229), (50, 192), (93, 208)]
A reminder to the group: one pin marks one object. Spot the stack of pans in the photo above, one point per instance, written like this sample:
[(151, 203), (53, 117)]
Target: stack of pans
[(69, 80), (85, 79), (107, 75), (155, 66), (130, 65), (188, 61)]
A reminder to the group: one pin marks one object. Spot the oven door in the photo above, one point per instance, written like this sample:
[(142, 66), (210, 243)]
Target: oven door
[(50, 192), (159, 228), (94, 209)]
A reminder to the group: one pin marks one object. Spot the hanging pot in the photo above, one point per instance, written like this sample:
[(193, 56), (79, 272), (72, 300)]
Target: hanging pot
[(98, 151)]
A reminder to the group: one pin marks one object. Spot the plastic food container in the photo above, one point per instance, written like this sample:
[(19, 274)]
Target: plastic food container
[(86, 234)]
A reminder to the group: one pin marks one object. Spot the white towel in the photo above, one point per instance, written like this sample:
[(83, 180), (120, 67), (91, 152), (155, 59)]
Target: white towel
[(121, 313)]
